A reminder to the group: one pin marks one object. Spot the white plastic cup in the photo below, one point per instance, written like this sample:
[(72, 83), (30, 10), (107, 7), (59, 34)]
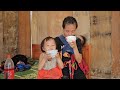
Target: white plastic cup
[(52, 53)]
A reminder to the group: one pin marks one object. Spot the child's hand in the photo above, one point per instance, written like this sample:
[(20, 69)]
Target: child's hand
[(57, 55)]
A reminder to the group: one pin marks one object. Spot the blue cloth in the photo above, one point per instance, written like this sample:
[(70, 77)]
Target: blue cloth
[(66, 47), (27, 66), (22, 67)]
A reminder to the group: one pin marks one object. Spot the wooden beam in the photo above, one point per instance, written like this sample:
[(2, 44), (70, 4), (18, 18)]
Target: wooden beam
[(24, 33)]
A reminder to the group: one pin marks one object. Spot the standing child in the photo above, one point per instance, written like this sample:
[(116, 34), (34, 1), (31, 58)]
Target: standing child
[(49, 66)]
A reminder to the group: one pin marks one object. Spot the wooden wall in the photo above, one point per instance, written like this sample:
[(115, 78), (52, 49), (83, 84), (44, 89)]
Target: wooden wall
[(115, 44), (49, 23), (100, 34), (83, 19), (15, 33), (46, 23), (1, 36), (10, 24), (8, 33)]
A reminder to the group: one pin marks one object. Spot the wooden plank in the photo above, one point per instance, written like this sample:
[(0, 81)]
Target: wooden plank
[(101, 43), (115, 44), (24, 33), (1, 36)]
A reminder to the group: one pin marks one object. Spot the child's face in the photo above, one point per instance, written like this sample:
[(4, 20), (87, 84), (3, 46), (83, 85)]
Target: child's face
[(49, 45)]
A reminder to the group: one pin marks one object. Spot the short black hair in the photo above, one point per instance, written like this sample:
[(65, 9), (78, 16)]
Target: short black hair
[(69, 20), (43, 41)]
